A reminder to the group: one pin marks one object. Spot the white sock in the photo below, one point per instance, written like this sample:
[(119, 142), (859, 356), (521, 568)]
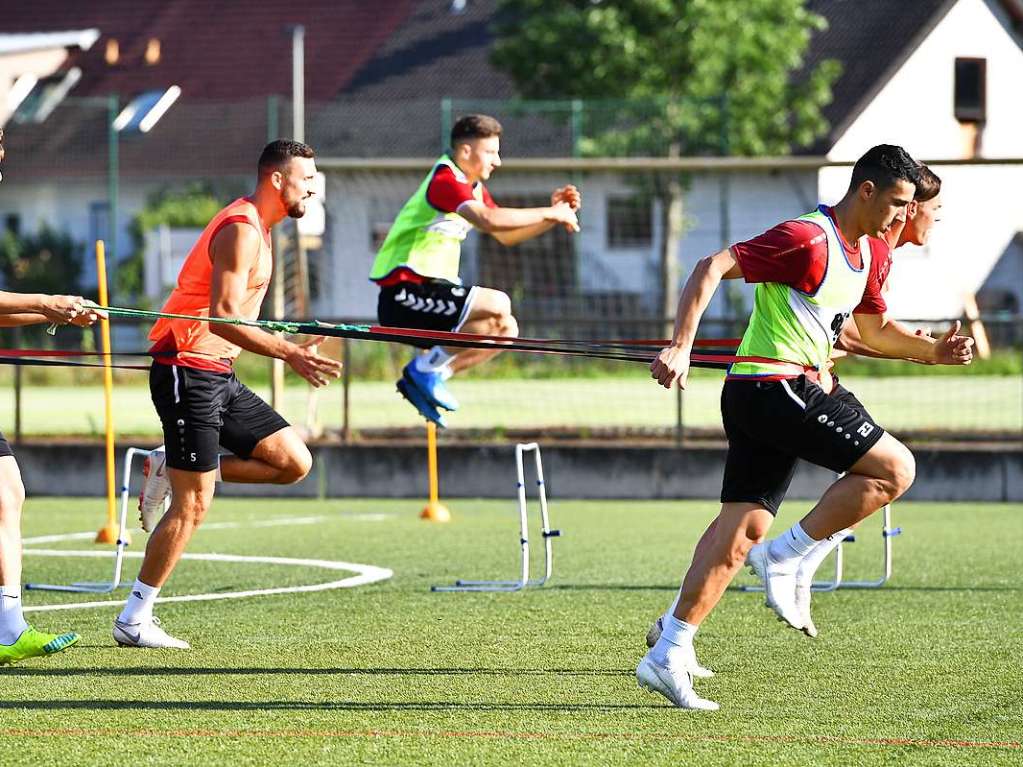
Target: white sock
[(435, 361), (139, 606), (790, 546), (12, 620), (675, 635), (811, 562)]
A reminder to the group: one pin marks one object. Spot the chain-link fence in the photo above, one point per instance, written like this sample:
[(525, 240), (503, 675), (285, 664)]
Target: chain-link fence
[(73, 174)]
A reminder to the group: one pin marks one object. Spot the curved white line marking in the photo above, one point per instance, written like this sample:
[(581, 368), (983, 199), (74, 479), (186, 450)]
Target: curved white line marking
[(364, 574), (86, 536)]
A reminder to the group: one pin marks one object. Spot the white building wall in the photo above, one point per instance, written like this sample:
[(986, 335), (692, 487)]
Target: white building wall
[(915, 107), (65, 206), (982, 208)]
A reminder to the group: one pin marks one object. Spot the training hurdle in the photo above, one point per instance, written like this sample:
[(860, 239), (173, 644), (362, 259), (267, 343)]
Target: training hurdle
[(548, 534), (837, 581), (106, 587), (887, 533)]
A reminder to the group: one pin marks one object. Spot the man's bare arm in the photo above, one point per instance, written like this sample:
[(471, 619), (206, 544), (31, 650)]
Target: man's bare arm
[(897, 341), (672, 364), (494, 220), (850, 341), (235, 249)]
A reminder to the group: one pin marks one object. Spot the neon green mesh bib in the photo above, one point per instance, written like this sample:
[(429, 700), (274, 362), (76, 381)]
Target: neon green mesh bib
[(791, 326)]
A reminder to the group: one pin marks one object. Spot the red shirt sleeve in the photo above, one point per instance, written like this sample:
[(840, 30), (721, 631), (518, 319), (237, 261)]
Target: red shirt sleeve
[(880, 265), (445, 192), (793, 253)]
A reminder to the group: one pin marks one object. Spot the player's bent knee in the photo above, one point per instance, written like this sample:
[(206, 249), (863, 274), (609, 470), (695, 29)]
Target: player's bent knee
[(904, 473), (191, 510), (499, 303), (12, 498), (297, 468), (508, 326)]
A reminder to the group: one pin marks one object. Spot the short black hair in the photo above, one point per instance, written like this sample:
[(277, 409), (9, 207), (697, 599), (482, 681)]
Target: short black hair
[(474, 126), (885, 164), (928, 184), (278, 153)]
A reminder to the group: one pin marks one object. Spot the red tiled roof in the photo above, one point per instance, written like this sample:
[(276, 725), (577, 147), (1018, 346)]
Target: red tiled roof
[(227, 50)]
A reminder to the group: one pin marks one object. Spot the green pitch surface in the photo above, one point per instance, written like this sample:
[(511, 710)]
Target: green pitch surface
[(924, 671)]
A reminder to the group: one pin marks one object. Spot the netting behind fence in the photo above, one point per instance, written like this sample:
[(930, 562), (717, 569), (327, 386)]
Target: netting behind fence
[(604, 282)]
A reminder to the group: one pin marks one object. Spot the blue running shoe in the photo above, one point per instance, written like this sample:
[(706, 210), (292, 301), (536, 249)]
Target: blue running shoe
[(432, 385), (420, 402)]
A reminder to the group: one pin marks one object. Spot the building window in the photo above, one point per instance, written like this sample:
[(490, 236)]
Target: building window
[(971, 90), (629, 221)]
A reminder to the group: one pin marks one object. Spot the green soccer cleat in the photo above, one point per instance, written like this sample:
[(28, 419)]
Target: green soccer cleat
[(32, 644)]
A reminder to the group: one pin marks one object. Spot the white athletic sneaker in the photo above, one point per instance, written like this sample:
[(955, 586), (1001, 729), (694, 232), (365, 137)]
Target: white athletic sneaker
[(154, 499), (701, 672), (675, 684), (803, 605), (147, 635), (779, 586)]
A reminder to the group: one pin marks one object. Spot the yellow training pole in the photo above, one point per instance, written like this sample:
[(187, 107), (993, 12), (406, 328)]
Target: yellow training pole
[(107, 533), (434, 511)]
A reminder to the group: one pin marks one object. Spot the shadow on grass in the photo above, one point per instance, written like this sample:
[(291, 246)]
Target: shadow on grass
[(256, 671), (310, 705)]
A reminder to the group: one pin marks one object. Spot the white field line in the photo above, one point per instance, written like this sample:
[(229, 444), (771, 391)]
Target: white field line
[(207, 526), (364, 574)]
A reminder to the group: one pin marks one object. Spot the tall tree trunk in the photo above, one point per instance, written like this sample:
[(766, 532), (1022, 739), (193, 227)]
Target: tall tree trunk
[(671, 240)]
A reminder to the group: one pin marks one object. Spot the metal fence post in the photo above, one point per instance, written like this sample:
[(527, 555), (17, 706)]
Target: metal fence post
[(679, 422), (17, 390), (346, 379)]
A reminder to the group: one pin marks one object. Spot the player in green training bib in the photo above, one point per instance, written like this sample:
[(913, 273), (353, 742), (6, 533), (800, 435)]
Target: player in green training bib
[(780, 403), (417, 267)]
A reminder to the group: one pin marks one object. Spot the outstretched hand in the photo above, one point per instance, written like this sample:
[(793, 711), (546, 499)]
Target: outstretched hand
[(313, 367), (952, 348), (73, 310)]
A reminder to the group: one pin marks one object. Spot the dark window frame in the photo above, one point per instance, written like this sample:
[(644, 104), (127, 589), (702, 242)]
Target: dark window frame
[(970, 112), (633, 236)]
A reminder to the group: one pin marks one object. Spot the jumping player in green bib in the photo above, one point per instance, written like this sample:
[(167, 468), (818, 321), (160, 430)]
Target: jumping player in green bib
[(417, 267), (780, 403)]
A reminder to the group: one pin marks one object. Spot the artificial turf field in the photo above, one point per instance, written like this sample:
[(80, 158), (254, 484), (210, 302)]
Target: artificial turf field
[(924, 671)]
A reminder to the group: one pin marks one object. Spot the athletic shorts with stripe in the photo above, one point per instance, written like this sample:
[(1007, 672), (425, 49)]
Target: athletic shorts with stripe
[(202, 411), (5, 447), (429, 305), (771, 424)]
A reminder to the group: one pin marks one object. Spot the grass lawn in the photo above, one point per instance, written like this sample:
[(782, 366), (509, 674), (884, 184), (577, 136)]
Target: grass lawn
[(983, 403), (922, 672)]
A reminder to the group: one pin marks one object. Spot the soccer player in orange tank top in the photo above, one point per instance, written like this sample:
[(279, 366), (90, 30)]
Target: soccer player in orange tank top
[(201, 403), (19, 640)]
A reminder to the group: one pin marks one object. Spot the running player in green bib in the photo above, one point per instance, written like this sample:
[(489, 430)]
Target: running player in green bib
[(417, 267), (779, 404)]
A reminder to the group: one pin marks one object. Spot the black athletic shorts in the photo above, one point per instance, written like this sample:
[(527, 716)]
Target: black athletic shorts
[(430, 305), (201, 411), (5, 446), (770, 424)]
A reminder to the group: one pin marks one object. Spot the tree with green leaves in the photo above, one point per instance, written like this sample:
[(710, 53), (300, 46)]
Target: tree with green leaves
[(723, 76)]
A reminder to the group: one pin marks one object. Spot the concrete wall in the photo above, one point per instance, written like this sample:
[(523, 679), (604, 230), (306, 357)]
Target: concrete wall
[(963, 474)]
